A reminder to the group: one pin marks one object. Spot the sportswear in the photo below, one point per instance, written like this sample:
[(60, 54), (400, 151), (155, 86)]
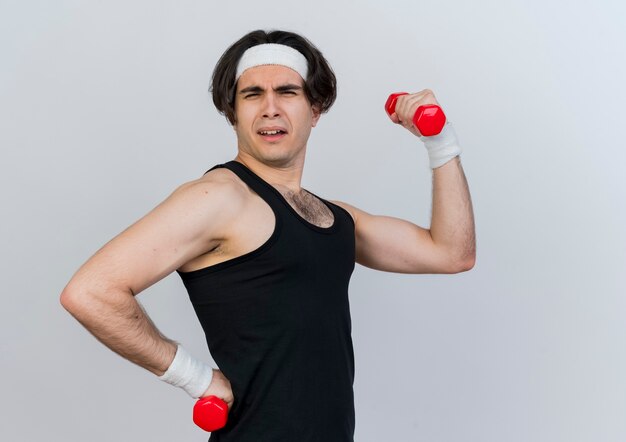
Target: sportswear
[(277, 323)]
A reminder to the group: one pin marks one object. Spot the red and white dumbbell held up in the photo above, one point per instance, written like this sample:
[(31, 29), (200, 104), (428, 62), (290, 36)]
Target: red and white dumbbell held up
[(421, 115), (210, 413), (429, 119)]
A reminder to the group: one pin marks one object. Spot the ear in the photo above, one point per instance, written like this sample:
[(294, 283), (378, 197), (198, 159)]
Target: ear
[(316, 115)]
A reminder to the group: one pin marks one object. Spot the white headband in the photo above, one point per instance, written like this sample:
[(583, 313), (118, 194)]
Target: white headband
[(272, 53)]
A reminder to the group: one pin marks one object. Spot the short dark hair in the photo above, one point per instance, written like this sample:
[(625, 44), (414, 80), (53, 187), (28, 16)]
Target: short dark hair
[(320, 86)]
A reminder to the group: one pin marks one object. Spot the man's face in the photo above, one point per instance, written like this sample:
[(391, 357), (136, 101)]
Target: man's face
[(273, 115)]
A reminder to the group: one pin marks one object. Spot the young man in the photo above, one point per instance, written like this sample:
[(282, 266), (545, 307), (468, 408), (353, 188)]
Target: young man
[(266, 263)]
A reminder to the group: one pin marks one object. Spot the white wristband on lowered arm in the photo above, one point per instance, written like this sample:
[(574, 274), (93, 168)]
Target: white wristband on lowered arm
[(188, 373), (442, 147)]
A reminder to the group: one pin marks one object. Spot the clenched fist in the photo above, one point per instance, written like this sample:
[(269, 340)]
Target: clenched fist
[(418, 112), (220, 387)]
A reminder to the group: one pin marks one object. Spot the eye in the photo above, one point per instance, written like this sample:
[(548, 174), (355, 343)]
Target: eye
[(250, 95)]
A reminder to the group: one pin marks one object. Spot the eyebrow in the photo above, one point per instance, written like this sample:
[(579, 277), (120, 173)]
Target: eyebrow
[(281, 88)]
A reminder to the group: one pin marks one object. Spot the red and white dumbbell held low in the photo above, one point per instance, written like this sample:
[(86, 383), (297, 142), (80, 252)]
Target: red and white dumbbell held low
[(210, 413)]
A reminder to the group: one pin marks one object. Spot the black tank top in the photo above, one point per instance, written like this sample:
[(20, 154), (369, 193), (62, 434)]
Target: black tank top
[(277, 323)]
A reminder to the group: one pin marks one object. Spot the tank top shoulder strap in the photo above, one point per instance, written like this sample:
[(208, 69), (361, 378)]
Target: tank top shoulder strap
[(251, 179)]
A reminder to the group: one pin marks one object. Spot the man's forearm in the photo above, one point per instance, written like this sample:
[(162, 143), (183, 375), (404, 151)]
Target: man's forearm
[(452, 223), (117, 320)]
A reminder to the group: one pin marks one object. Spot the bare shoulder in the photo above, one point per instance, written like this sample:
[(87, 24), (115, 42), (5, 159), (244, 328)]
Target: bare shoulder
[(217, 179), (217, 191)]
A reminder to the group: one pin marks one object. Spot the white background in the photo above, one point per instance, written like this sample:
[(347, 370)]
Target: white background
[(104, 111)]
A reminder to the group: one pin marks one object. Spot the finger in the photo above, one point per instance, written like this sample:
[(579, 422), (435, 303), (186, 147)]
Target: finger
[(408, 108), (425, 96), (411, 104), (404, 107), (394, 118)]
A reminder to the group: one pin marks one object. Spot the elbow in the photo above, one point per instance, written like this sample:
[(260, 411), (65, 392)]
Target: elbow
[(80, 298), (70, 299), (464, 264), (77, 299), (82, 304), (468, 264)]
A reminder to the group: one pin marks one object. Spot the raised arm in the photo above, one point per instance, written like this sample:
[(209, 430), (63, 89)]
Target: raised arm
[(449, 245), (101, 295)]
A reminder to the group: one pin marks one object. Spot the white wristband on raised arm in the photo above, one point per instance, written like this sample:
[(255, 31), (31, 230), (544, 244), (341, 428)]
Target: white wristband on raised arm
[(190, 374), (442, 147)]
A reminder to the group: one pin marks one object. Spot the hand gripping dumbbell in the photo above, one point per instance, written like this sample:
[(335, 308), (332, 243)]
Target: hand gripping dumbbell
[(210, 413), (428, 119)]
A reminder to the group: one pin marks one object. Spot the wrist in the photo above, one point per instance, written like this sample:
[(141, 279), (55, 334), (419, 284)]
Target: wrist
[(188, 373), (442, 147)]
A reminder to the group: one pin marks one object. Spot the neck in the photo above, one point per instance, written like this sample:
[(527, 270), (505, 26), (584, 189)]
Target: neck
[(286, 176)]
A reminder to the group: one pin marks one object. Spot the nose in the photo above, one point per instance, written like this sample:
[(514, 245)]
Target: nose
[(270, 106)]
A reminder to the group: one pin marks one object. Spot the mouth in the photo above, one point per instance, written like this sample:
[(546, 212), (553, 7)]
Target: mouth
[(272, 134)]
